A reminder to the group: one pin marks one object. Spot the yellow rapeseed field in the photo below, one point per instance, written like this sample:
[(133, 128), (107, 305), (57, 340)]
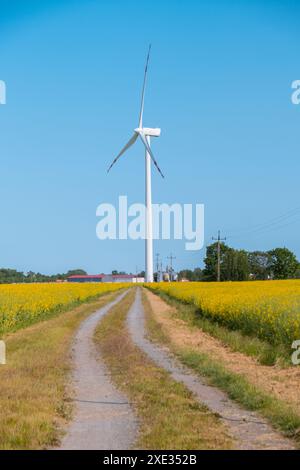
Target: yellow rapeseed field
[(267, 309), (23, 304)]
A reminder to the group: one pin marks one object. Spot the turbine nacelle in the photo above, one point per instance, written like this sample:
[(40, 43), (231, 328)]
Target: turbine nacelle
[(152, 132)]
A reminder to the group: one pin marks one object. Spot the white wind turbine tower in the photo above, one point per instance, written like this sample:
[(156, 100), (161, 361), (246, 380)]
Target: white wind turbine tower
[(145, 133)]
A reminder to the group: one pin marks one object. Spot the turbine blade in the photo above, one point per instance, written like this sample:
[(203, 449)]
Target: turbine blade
[(148, 148), (129, 144), (143, 92)]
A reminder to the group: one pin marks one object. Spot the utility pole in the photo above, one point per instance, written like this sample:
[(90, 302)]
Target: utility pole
[(157, 262), (171, 257), (136, 273), (160, 269), (219, 240), (157, 267)]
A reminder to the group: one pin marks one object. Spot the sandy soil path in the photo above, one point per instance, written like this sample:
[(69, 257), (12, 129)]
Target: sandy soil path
[(103, 418), (249, 430)]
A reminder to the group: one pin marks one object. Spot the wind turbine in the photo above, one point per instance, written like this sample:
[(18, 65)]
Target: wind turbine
[(145, 134)]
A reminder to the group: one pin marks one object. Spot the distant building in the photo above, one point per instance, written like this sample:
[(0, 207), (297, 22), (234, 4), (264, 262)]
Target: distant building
[(86, 278), (125, 278), (105, 278)]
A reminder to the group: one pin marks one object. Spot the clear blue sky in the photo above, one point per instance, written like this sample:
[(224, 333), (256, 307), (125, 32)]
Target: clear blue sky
[(219, 87)]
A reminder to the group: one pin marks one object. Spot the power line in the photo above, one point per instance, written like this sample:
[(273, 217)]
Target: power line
[(272, 223), (278, 227)]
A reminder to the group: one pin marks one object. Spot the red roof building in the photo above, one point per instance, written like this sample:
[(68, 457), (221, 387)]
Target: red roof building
[(104, 278)]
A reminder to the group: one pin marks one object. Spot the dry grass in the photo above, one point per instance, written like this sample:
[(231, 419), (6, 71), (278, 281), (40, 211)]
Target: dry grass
[(273, 391), (283, 383), (169, 416), (34, 400)]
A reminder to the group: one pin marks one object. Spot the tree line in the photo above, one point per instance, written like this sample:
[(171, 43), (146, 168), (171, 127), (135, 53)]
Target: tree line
[(241, 265), (10, 276), (235, 265)]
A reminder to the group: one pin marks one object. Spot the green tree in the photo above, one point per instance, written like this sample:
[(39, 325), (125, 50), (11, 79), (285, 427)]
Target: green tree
[(259, 264), (75, 272), (283, 263), (8, 276), (233, 263), (198, 274), (235, 266), (115, 272), (211, 261), (186, 274)]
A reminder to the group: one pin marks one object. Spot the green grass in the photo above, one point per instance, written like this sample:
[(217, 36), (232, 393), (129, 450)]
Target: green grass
[(264, 352), (279, 414), (168, 414)]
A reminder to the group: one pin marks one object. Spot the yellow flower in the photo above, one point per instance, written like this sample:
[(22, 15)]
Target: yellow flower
[(268, 309), (21, 304)]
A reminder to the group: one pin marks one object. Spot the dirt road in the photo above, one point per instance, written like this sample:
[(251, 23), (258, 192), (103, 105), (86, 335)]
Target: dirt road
[(103, 418)]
